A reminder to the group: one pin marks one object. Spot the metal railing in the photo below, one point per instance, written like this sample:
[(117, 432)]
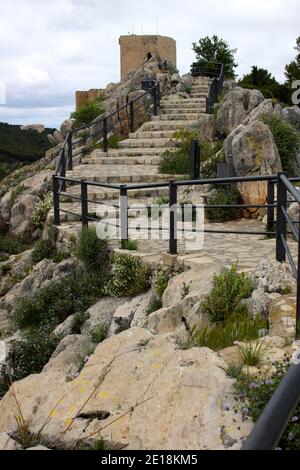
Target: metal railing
[(126, 119), (215, 71)]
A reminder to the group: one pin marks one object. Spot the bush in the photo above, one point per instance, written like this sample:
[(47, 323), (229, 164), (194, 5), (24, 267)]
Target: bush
[(160, 281), (254, 393), (91, 250), (286, 138), (40, 214), (155, 304), (87, 113), (224, 300), (129, 245), (174, 162), (58, 300), (223, 335), (130, 276), (98, 333), (223, 196), (43, 249), (30, 355), (10, 245)]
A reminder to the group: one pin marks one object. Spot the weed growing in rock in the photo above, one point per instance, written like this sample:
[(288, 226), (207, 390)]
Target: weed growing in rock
[(253, 354), (98, 333), (40, 214), (225, 298), (79, 319)]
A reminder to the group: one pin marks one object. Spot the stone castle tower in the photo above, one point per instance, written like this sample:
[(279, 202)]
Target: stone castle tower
[(136, 50)]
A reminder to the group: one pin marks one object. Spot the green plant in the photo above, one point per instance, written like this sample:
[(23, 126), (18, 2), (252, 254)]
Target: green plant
[(224, 335), (10, 245), (6, 268), (29, 355), (129, 276), (292, 70), (79, 319), (59, 299), (286, 138), (87, 113), (209, 166), (233, 371), (253, 354), (210, 149), (155, 304), (261, 79), (43, 249), (174, 162), (98, 333), (252, 395), (224, 300), (226, 197), (99, 444), (91, 250), (40, 214), (129, 245), (183, 138), (160, 281), (215, 49)]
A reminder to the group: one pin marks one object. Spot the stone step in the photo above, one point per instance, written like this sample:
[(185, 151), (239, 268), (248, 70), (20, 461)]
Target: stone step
[(197, 109), (146, 143), (99, 194), (141, 134), (140, 152), (182, 104), (121, 160), (198, 95), (170, 125), (180, 117)]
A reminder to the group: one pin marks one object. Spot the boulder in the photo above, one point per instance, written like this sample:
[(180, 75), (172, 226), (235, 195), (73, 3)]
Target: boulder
[(272, 276), (187, 80), (39, 183), (102, 313), (237, 104), (292, 116), (132, 376), (206, 127), (254, 152), (175, 78), (282, 318), (21, 215), (6, 203), (66, 127), (14, 270), (264, 108), (70, 355), (132, 313), (58, 138)]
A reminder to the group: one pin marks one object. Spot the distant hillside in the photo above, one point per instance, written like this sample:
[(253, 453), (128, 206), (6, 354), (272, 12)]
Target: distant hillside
[(19, 147)]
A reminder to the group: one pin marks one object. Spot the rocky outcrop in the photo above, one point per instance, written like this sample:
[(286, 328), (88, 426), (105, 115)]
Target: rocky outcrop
[(254, 152), (21, 222), (292, 116), (154, 379), (235, 108), (102, 313), (14, 270)]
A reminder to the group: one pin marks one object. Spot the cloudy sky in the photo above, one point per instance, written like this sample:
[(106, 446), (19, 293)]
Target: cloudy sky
[(50, 48)]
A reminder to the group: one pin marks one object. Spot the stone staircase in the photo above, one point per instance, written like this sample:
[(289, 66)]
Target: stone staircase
[(137, 158)]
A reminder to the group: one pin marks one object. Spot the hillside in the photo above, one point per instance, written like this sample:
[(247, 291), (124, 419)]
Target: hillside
[(20, 147)]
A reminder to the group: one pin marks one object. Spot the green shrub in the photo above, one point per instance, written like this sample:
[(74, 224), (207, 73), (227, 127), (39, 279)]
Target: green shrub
[(79, 319), (98, 333), (30, 355), (223, 335), (40, 214), (223, 196), (155, 304), (91, 250), (254, 393), (174, 162), (87, 113), (253, 354), (224, 300), (210, 149), (43, 249), (10, 245), (286, 138), (209, 165), (129, 245), (129, 276), (183, 139), (58, 300), (160, 281)]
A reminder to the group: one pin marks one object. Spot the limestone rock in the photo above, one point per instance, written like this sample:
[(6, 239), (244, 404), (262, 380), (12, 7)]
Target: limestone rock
[(68, 356), (292, 115), (66, 127), (132, 313), (102, 313), (265, 107), (206, 127), (65, 328), (187, 80), (58, 137), (254, 152), (14, 269), (282, 318), (21, 215), (271, 276), (39, 183), (182, 394), (238, 103), (7, 443), (38, 448)]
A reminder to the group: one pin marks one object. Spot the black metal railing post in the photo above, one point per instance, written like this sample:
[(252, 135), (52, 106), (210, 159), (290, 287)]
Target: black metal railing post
[(56, 200), (63, 169), (173, 218), (156, 99), (131, 117), (123, 213), (84, 204), (271, 210), (195, 159), (70, 151), (298, 289), (105, 136), (281, 231)]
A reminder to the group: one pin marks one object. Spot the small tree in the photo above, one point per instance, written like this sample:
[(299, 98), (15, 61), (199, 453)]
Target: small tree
[(261, 79), (215, 49), (292, 70)]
